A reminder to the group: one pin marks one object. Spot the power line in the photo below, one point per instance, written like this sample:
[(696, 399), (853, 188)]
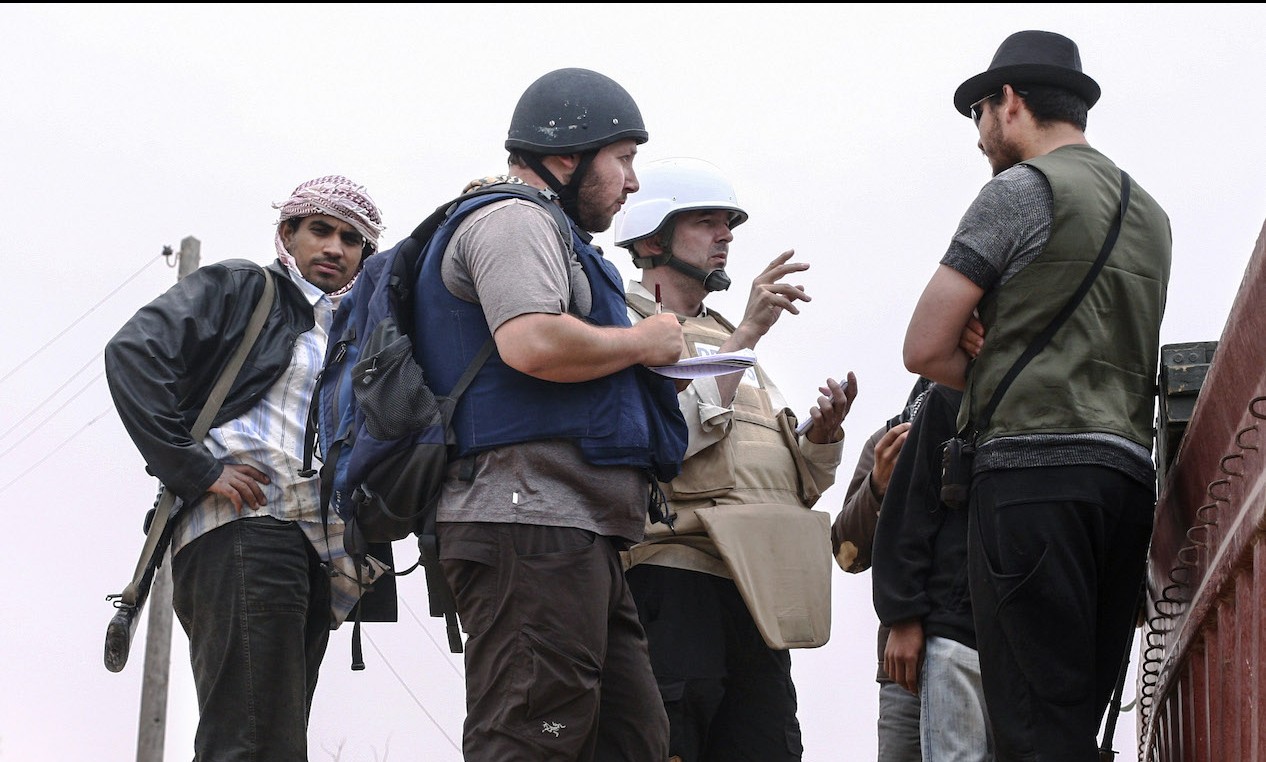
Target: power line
[(412, 695), (434, 642), (49, 417), (53, 394), (166, 252), (53, 452)]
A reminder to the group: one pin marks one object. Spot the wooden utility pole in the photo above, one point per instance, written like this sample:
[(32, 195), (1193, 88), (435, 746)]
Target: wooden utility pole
[(152, 730)]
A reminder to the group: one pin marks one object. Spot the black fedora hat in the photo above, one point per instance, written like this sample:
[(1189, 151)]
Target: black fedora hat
[(1030, 57)]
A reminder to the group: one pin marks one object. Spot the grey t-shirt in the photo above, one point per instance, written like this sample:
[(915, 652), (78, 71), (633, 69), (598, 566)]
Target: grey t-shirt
[(510, 258), (1006, 227)]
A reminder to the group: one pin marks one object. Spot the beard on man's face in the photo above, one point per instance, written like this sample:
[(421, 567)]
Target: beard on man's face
[(591, 214)]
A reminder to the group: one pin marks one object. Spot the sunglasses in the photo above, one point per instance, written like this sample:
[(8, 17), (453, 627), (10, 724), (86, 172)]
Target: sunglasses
[(978, 108)]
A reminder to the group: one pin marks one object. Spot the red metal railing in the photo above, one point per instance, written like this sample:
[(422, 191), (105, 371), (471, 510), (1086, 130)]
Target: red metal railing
[(1202, 671)]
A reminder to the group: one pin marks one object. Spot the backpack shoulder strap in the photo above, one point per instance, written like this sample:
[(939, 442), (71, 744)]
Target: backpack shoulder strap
[(546, 198), (409, 261)]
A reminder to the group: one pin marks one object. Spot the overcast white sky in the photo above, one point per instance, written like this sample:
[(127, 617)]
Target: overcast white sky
[(125, 128)]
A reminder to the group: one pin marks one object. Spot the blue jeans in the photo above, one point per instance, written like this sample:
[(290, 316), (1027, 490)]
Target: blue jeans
[(898, 724), (952, 704), (254, 600)]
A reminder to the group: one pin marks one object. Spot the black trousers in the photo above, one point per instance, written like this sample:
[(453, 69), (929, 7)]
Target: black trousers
[(1056, 560), (254, 600), (729, 697)]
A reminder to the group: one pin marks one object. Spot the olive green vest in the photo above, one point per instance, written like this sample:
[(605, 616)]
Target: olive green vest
[(1098, 373)]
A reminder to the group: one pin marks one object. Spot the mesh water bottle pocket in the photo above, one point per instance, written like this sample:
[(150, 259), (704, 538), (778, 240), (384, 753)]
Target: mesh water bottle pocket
[(390, 388)]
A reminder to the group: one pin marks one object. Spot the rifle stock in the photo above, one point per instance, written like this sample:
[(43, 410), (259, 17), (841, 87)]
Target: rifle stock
[(129, 603), (1106, 754), (118, 640)]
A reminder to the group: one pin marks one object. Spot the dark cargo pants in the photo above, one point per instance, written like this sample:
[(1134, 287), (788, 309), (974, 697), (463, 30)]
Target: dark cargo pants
[(556, 661)]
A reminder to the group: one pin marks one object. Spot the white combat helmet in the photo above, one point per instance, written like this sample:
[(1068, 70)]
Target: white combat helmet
[(669, 186)]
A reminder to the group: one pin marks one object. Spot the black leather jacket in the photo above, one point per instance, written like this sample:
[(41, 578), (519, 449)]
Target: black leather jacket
[(162, 363)]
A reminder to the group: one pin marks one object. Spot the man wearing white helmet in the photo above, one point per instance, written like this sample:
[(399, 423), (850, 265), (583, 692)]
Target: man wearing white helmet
[(718, 648)]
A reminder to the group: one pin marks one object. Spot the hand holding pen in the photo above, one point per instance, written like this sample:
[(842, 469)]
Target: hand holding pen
[(824, 422)]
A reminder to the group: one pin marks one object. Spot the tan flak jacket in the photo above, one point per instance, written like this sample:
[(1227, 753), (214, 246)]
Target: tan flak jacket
[(743, 510)]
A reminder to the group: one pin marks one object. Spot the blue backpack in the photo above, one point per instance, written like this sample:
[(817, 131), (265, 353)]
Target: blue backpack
[(384, 437)]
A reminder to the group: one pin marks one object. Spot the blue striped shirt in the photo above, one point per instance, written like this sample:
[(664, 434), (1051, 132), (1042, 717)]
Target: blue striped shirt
[(270, 437)]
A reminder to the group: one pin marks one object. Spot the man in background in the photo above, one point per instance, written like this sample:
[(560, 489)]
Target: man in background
[(852, 541), (921, 594), (259, 577)]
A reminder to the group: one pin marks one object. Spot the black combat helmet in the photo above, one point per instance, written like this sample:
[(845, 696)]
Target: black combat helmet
[(573, 111)]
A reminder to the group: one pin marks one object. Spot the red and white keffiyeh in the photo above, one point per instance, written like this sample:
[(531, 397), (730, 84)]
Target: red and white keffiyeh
[(338, 197)]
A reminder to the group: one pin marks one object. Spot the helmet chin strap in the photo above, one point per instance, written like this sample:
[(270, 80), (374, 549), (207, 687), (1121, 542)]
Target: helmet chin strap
[(569, 194), (714, 280)]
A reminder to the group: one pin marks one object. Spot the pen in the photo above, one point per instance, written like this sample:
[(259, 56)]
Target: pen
[(659, 306), (807, 422)]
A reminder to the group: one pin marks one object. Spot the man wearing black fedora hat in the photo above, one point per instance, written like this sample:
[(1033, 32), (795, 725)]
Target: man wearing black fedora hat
[(1062, 263)]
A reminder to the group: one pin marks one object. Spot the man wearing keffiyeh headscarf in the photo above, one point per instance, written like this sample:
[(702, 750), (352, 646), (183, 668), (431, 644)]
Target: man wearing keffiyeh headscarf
[(259, 575), (335, 196)]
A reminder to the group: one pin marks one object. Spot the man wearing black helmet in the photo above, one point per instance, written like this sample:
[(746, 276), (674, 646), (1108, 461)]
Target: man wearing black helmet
[(1065, 260), (561, 438)]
